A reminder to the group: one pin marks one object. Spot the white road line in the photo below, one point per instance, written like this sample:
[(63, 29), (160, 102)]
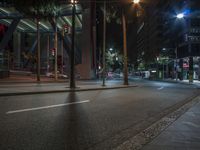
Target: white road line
[(46, 107), (160, 88)]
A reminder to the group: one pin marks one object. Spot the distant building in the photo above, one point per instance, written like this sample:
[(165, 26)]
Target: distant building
[(161, 30), (183, 34), (149, 33), (21, 33)]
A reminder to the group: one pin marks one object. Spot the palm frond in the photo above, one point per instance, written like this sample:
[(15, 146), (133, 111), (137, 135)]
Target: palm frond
[(42, 8)]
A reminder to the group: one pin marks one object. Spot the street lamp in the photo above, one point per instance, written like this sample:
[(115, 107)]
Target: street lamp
[(117, 58), (180, 15), (72, 53), (111, 49), (73, 1), (136, 1)]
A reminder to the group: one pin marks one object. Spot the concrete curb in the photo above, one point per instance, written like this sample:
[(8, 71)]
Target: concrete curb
[(171, 81), (28, 82), (148, 134), (67, 90)]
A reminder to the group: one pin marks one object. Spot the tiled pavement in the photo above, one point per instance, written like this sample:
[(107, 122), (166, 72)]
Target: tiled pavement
[(183, 134)]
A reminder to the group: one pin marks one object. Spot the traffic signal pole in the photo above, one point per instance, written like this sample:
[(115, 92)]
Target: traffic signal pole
[(72, 52)]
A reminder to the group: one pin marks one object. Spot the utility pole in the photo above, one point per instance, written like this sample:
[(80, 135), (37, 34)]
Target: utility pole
[(176, 65), (72, 52), (163, 66), (191, 68), (48, 47)]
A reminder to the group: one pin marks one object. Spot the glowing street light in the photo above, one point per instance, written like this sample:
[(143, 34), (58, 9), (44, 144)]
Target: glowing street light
[(136, 1), (117, 58), (73, 1), (180, 16), (111, 49)]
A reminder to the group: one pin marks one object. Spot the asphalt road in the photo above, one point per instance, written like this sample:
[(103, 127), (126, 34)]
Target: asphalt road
[(95, 120)]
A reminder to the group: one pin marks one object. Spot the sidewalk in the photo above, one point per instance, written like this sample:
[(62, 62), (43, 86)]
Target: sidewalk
[(29, 79), (183, 134), (19, 85)]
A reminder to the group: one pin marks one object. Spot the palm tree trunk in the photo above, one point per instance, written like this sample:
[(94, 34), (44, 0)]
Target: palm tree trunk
[(125, 49), (38, 50), (48, 47), (104, 44), (56, 51), (62, 52)]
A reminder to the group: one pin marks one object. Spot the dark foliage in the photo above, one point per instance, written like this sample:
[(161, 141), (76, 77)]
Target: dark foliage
[(39, 8)]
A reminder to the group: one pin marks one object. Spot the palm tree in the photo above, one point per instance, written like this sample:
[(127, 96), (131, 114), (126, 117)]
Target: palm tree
[(42, 9), (117, 11)]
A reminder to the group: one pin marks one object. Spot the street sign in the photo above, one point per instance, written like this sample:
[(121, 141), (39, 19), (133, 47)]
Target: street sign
[(53, 51)]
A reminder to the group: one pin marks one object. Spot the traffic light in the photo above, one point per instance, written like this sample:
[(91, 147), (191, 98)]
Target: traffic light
[(53, 51)]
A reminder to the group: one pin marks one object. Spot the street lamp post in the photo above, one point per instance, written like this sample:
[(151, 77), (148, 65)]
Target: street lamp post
[(163, 71), (166, 61), (72, 52), (136, 1), (191, 69), (176, 65), (181, 16)]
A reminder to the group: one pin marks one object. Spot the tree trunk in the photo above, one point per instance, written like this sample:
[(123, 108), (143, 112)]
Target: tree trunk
[(48, 48), (38, 50), (104, 45), (56, 51), (62, 53), (125, 49)]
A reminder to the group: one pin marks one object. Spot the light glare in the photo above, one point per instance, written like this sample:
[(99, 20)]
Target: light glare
[(73, 1), (179, 16), (136, 1)]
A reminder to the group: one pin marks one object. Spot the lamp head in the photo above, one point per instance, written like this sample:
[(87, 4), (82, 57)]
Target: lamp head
[(180, 16), (136, 1)]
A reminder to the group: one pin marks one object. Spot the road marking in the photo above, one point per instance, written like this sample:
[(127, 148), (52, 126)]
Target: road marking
[(46, 107), (160, 88)]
